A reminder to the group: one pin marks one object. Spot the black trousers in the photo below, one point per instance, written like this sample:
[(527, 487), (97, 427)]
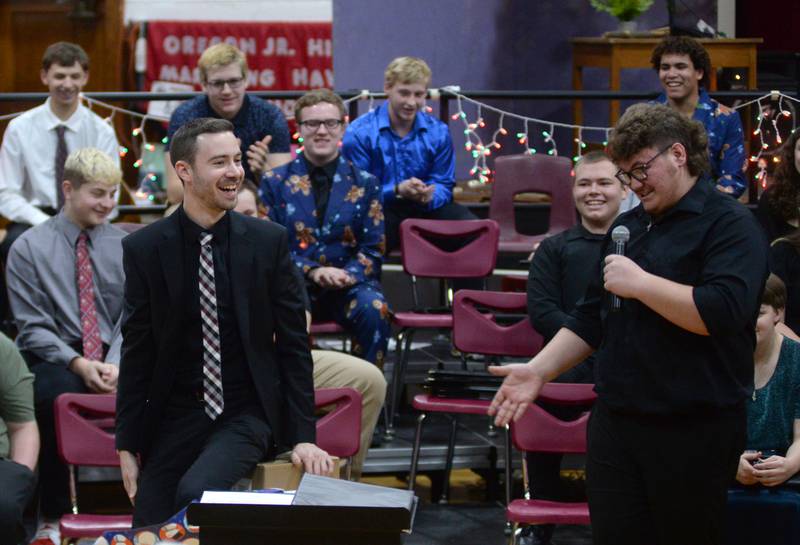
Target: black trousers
[(51, 381), (192, 454), (661, 480), (17, 483)]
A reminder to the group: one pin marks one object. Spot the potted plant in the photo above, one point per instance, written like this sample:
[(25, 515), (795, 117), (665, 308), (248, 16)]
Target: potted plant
[(624, 10)]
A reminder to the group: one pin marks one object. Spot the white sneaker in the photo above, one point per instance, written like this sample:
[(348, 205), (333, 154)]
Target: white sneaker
[(47, 534)]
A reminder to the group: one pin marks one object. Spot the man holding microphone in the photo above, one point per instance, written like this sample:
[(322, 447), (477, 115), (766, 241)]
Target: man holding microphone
[(674, 361)]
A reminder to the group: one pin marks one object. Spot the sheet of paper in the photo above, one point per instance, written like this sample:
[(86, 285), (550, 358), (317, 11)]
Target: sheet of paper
[(247, 498)]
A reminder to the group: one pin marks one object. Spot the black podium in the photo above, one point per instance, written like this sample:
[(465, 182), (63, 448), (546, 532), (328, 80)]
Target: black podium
[(325, 512)]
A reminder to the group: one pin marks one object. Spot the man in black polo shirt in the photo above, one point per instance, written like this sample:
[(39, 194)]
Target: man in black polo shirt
[(674, 364), (556, 282)]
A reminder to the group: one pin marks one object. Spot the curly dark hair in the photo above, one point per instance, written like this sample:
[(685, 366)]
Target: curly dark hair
[(684, 45), (656, 125), (784, 193)]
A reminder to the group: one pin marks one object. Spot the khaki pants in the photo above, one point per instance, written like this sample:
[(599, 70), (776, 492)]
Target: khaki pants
[(337, 370)]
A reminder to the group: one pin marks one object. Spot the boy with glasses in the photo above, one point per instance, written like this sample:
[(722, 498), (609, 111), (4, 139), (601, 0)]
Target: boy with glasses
[(334, 215), (258, 124), (674, 362)]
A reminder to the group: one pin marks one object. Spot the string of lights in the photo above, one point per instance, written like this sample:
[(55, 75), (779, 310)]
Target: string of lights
[(775, 109)]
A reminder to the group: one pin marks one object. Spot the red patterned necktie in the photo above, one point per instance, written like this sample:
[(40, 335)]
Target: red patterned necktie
[(90, 331), (61, 158)]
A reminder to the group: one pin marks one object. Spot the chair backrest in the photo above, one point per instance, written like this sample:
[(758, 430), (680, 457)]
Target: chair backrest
[(339, 431), (476, 331), (539, 431), (527, 173), (423, 258), (85, 429)]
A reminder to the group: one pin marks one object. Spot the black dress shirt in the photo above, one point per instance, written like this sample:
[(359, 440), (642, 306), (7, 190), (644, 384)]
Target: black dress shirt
[(321, 181), (648, 365), (237, 387), (560, 271)]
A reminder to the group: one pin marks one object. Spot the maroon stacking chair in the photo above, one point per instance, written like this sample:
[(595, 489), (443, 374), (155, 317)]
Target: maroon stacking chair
[(85, 436), (329, 328), (424, 259), (478, 328), (526, 173), (539, 431), (339, 431)]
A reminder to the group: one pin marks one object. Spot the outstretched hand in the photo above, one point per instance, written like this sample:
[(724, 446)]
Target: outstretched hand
[(520, 387)]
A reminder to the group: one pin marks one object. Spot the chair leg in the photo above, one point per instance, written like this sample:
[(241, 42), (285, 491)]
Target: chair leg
[(514, 532), (508, 464), (448, 465), (397, 378), (412, 474)]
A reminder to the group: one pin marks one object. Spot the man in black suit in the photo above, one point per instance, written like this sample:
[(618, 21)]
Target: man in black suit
[(215, 369)]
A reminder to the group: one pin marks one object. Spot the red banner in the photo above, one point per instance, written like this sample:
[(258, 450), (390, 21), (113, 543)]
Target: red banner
[(280, 56)]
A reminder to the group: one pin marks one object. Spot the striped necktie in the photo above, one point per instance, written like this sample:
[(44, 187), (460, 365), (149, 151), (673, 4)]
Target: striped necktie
[(61, 158), (212, 353)]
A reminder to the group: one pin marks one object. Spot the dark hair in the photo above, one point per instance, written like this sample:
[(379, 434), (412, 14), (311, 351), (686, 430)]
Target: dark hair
[(684, 45), (783, 193), (183, 146), (774, 293), (65, 54), (315, 97), (656, 125), (248, 185)]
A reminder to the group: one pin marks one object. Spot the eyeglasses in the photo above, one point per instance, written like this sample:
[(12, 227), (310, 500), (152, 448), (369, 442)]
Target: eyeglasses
[(315, 124), (638, 173), (219, 84)]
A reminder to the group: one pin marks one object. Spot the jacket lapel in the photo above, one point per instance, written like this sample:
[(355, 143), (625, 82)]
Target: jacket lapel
[(342, 182), (305, 203), (170, 255), (242, 275)]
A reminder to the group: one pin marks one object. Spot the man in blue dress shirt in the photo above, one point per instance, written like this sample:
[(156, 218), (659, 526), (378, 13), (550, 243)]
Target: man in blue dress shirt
[(683, 67), (408, 150)]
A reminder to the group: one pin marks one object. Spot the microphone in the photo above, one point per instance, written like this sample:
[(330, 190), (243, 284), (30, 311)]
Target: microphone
[(620, 236)]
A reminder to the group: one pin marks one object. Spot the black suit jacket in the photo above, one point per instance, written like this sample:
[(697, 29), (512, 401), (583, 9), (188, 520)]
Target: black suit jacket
[(268, 305)]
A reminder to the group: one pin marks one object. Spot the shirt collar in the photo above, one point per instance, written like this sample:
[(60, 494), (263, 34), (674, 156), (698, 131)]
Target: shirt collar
[(238, 120), (328, 168), (73, 123), (579, 231), (192, 231), (384, 122), (71, 230), (693, 201)]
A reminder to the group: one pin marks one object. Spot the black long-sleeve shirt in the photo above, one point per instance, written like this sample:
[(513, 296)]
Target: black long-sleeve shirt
[(560, 271), (648, 365)]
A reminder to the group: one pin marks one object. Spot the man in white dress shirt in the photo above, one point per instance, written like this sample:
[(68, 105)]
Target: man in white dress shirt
[(37, 143)]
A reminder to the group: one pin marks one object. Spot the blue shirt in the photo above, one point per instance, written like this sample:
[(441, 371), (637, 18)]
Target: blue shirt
[(255, 119), (725, 141), (426, 152)]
